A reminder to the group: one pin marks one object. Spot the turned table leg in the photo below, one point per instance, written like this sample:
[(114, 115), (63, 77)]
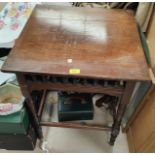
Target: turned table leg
[(130, 85), (30, 104)]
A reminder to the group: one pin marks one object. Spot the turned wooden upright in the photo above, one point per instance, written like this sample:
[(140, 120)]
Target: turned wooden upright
[(99, 43)]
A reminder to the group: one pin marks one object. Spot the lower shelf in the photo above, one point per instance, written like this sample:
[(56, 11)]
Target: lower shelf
[(76, 125), (51, 111)]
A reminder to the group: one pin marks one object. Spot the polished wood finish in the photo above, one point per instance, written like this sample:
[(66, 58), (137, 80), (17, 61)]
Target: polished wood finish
[(121, 110), (78, 88), (102, 43), (76, 126), (29, 103), (42, 103)]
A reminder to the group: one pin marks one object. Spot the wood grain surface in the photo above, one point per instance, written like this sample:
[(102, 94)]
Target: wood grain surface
[(102, 43)]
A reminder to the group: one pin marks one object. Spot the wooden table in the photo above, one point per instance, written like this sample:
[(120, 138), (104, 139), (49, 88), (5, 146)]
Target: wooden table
[(87, 43)]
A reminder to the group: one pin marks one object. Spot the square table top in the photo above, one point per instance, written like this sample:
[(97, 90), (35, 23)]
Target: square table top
[(91, 42)]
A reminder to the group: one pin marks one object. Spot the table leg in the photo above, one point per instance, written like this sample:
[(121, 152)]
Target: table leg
[(130, 85), (30, 105)]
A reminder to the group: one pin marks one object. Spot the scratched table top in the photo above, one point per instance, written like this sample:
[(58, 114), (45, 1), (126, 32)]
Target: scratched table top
[(93, 42)]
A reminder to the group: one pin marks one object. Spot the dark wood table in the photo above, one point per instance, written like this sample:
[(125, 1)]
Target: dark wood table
[(88, 44)]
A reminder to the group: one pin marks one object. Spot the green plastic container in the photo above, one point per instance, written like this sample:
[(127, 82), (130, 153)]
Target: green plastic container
[(16, 123)]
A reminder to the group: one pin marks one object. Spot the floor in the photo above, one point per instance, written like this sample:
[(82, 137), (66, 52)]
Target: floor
[(60, 140), (79, 141), (75, 140)]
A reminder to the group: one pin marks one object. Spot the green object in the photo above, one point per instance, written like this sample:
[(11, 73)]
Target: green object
[(143, 86), (75, 107), (136, 100), (16, 123), (145, 46)]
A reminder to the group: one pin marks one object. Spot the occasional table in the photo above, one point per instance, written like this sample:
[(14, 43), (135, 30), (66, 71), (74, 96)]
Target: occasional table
[(88, 50)]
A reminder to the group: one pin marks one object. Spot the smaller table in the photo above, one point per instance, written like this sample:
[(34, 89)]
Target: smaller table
[(96, 46)]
